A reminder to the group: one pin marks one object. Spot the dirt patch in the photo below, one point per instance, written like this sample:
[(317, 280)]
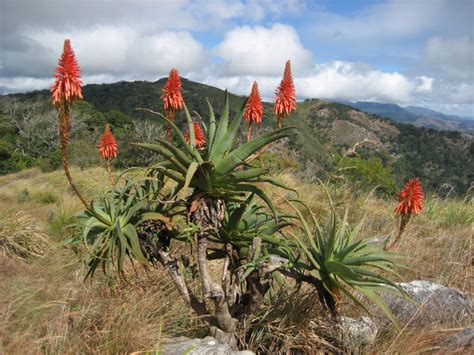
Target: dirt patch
[(348, 133)]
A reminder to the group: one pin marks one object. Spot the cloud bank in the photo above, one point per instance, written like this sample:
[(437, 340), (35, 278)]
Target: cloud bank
[(230, 44)]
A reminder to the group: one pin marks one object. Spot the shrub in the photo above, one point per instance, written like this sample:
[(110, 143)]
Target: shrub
[(366, 174)]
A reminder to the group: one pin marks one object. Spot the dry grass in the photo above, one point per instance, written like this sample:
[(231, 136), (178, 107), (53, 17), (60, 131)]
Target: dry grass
[(46, 307), (20, 237)]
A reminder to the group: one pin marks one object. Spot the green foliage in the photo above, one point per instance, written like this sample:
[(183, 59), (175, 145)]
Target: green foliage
[(5, 150), (109, 225), (436, 157), (245, 221), (218, 170), (24, 195), (46, 197), (109, 232), (276, 162), (344, 263), (117, 118), (366, 174)]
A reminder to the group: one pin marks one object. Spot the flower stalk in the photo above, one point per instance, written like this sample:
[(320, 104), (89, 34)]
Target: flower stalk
[(108, 150), (253, 112), (411, 199), (172, 99), (65, 90), (285, 96)]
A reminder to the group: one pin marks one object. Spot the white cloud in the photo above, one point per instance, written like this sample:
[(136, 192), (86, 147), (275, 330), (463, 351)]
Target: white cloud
[(122, 52), (342, 80), (395, 19), (453, 56), (453, 92), (336, 80), (21, 84), (263, 51), (142, 39), (161, 52), (426, 84)]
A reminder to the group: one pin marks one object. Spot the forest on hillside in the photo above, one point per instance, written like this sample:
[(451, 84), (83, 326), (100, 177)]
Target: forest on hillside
[(442, 159)]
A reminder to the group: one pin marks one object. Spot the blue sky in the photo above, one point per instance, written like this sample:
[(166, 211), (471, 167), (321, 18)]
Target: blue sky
[(417, 52)]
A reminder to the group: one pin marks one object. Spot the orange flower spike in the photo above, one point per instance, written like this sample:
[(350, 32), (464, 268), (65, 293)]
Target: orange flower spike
[(285, 96), (253, 112), (172, 99), (410, 198), (67, 85), (198, 135), (108, 145), (254, 109)]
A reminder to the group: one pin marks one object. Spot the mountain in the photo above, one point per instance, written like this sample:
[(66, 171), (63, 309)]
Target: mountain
[(392, 111), (418, 116), (438, 120), (390, 153)]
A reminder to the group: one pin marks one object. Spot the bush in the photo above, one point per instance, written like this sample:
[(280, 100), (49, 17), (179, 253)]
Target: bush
[(366, 174)]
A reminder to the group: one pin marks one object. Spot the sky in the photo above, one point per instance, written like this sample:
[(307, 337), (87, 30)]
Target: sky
[(408, 52)]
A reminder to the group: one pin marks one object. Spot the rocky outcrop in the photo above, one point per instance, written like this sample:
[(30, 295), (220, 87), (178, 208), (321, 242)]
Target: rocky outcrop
[(431, 302), (357, 335), (459, 343), (206, 346)]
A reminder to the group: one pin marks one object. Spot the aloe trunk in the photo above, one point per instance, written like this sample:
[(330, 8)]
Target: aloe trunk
[(208, 213)]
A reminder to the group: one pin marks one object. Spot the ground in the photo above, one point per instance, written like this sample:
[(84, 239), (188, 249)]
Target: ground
[(45, 305)]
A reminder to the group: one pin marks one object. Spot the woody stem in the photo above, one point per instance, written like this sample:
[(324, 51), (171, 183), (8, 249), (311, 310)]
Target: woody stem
[(64, 128), (168, 133), (108, 165), (403, 224), (279, 121)]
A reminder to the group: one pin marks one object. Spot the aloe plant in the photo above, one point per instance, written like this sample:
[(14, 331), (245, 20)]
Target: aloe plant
[(112, 224), (343, 263), (200, 194), (217, 174), (219, 170), (247, 220)]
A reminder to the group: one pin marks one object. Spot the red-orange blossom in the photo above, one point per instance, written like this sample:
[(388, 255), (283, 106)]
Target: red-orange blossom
[(253, 112), (108, 144), (67, 86), (285, 96), (410, 198)]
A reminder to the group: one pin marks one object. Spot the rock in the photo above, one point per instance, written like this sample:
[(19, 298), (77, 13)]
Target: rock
[(432, 303), (206, 346), (357, 334), (461, 342)]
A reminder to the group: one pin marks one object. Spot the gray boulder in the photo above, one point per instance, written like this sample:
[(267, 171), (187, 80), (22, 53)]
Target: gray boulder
[(206, 346), (357, 335), (461, 342), (432, 302)]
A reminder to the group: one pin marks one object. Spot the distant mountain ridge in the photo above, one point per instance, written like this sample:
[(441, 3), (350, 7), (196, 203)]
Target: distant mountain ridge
[(415, 115)]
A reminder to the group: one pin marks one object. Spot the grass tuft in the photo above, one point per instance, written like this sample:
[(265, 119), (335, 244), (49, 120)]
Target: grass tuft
[(21, 237)]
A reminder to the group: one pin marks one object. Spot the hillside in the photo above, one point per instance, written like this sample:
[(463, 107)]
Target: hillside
[(392, 152), (418, 116)]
